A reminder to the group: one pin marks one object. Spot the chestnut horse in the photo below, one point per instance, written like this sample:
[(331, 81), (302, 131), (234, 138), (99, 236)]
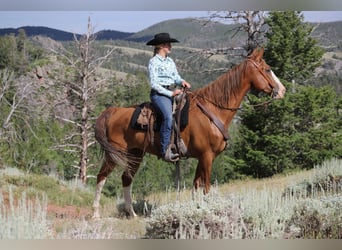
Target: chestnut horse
[(203, 139)]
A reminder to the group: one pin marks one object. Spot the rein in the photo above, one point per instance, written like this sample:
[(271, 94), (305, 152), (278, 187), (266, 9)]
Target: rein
[(214, 103), (230, 108)]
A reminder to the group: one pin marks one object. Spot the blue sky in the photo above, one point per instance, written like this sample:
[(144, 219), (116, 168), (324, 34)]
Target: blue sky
[(128, 21)]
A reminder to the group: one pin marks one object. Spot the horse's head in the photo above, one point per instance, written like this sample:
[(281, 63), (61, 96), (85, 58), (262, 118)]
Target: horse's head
[(262, 77)]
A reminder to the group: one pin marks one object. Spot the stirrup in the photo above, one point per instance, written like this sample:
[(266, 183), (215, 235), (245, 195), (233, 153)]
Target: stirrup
[(170, 156)]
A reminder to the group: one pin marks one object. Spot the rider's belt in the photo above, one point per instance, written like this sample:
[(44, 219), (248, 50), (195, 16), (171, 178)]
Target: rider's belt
[(169, 87)]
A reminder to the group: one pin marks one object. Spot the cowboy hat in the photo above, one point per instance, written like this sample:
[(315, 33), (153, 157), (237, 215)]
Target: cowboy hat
[(162, 38)]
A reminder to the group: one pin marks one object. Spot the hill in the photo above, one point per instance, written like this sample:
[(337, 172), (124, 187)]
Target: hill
[(112, 35), (59, 35), (54, 34), (190, 32), (193, 33), (328, 34), (132, 53)]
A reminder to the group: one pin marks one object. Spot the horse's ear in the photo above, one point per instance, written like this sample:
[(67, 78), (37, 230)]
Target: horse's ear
[(254, 53), (257, 53), (260, 53)]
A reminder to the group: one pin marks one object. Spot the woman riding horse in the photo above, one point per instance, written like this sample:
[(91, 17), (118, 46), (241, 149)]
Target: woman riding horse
[(211, 110), (163, 75)]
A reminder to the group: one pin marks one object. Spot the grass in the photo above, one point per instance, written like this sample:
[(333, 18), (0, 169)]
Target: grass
[(58, 192), (23, 218), (106, 228), (303, 205), (256, 209)]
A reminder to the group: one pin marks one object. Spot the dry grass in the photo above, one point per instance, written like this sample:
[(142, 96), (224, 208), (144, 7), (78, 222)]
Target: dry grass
[(106, 228), (278, 182), (300, 205)]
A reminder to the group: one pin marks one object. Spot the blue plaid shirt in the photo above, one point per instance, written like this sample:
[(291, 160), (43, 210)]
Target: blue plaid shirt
[(163, 72)]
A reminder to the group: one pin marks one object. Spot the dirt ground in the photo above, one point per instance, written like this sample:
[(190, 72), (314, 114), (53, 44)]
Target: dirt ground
[(70, 222), (67, 212)]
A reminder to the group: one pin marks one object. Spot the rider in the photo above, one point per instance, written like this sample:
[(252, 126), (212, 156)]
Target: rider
[(163, 77)]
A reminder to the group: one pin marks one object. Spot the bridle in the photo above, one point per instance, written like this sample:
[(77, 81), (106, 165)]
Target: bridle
[(274, 92)]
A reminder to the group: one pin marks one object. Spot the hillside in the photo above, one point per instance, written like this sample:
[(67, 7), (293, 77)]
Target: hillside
[(329, 35), (193, 33), (132, 54), (190, 32), (54, 34), (60, 35)]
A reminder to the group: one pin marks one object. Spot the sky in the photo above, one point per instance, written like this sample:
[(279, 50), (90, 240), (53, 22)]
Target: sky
[(126, 21)]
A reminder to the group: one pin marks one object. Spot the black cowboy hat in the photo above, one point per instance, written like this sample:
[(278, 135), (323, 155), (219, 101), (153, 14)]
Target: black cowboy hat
[(162, 38)]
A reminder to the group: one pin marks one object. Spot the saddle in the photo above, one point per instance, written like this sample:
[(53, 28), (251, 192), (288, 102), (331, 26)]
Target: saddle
[(147, 119)]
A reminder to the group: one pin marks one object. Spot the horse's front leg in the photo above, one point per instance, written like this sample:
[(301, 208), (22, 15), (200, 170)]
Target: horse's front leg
[(203, 172)]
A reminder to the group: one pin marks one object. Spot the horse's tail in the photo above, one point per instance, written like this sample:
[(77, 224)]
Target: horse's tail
[(118, 156)]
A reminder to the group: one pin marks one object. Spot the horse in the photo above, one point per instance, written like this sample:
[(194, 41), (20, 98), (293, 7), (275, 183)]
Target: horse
[(211, 110)]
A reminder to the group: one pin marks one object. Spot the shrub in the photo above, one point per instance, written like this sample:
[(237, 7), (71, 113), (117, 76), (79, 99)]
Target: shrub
[(211, 218), (24, 220), (254, 213), (317, 219)]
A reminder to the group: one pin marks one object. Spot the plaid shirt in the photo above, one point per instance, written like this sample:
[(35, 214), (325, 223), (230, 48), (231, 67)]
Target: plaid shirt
[(163, 72)]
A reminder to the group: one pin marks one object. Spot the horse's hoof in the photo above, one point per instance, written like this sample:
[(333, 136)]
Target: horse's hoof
[(95, 217)]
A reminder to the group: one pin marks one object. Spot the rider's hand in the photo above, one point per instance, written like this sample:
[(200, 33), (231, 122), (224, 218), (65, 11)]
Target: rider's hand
[(177, 92), (186, 84)]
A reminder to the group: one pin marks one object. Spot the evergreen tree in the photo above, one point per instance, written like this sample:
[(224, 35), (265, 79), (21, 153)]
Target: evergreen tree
[(298, 132), (18, 53), (291, 51), (8, 52)]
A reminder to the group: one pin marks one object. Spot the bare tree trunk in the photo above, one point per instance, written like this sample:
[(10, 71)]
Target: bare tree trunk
[(82, 95), (250, 22), (84, 139), (84, 48)]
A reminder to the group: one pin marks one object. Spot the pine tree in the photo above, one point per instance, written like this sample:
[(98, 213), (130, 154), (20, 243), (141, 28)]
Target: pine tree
[(291, 51), (302, 129), (298, 132)]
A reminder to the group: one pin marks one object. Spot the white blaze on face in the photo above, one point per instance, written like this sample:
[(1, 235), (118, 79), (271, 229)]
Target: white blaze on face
[(281, 88)]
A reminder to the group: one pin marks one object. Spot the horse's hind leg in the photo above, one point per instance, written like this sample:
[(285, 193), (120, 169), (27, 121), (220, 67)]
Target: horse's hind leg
[(106, 169), (127, 179)]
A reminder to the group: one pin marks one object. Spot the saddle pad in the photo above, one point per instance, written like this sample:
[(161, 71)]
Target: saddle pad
[(156, 126)]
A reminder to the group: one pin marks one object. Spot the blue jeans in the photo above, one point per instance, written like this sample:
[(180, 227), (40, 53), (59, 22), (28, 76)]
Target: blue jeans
[(163, 105)]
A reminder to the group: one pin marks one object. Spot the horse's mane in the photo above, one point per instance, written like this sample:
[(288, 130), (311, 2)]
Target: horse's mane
[(220, 90)]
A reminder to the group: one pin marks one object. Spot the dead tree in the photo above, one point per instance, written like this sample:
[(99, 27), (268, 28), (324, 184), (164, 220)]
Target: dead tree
[(250, 22), (19, 106), (81, 90), (14, 94)]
